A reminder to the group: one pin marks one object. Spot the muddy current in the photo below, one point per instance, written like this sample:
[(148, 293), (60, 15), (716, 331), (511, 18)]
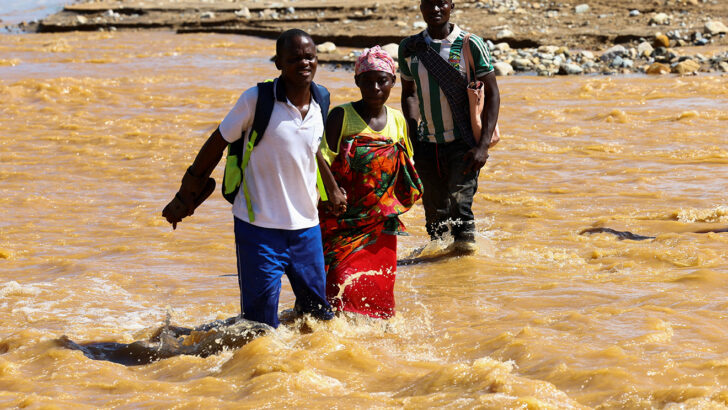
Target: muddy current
[(98, 128)]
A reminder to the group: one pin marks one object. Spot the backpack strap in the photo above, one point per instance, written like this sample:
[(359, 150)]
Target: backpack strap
[(239, 151), (323, 98), (263, 112)]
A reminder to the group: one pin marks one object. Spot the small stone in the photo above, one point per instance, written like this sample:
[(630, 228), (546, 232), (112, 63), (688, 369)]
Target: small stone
[(207, 15), (581, 8), (244, 13), (627, 63), (570, 69), (658, 69), (505, 33), (419, 25), (660, 19), (392, 49), (503, 69), (290, 10), (723, 66), (634, 13), (715, 27), (586, 55), (401, 23), (81, 20), (702, 42), (686, 67), (645, 49), (502, 47), (325, 48), (616, 51), (617, 62), (661, 40), (548, 49), (522, 64)]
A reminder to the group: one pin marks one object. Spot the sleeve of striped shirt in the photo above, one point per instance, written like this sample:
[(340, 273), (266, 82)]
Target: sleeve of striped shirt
[(481, 55), (404, 70)]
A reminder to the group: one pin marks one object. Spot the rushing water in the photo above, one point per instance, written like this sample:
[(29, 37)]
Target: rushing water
[(97, 129)]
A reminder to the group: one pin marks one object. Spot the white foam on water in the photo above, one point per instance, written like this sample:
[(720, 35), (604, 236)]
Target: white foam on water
[(13, 288)]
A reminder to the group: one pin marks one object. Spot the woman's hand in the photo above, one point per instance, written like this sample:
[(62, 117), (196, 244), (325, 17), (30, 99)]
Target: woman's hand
[(336, 205)]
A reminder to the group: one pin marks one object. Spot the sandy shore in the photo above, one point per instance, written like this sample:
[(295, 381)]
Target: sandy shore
[(568, 28)]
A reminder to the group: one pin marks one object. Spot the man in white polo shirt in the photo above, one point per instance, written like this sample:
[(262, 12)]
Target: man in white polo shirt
[(279, 232)]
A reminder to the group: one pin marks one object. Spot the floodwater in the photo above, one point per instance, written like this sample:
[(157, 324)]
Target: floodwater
[(15, 11), (98, 128)]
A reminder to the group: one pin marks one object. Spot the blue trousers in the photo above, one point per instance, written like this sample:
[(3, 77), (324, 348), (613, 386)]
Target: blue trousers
[(265, 255)]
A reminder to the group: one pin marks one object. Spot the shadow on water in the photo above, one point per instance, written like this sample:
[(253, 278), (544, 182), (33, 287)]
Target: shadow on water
[(169, 341), (422, 255), (622, 235)]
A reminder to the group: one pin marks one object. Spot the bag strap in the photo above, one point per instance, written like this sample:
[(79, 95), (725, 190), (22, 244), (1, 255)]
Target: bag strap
[(468, 55), (450, 80)]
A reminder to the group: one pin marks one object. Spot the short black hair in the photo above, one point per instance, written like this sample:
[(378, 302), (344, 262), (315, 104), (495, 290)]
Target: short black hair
[(286, 36)]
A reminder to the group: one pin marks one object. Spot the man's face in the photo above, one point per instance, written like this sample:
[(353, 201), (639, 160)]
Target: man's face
[(298, 61), (436, 12)]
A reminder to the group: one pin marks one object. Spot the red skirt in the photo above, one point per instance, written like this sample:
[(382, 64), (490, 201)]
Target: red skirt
[(363, 282)]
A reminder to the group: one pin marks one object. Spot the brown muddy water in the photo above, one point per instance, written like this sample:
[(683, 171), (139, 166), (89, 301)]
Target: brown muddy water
[(98, 128)]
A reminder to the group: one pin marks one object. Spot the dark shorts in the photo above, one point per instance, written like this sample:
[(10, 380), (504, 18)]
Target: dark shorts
[(265, 255), (448, 193)]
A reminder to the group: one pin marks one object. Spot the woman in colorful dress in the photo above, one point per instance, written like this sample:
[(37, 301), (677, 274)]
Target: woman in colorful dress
[(370, 156)]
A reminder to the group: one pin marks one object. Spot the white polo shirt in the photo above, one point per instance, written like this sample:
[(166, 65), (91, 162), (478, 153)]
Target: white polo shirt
[(281, 173)]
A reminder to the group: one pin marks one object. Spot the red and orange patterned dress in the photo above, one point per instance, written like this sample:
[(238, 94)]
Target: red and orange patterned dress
[(360, 246)]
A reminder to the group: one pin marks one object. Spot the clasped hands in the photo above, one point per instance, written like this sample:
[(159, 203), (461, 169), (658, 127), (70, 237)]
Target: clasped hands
[(336, 205)]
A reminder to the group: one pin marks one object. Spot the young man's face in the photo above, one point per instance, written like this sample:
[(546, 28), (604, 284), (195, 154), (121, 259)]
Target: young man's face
[(375, 86), (436, 12), (298, 60)]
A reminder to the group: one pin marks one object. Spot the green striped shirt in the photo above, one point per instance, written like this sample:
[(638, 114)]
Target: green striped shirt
[(436, 123)]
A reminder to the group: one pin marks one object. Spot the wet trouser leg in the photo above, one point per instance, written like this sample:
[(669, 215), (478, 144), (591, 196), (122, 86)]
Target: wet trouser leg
[(265, 255), (448, 191)]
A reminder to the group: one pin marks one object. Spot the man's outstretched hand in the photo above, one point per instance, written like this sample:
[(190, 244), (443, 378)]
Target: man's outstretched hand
[(192, 192)]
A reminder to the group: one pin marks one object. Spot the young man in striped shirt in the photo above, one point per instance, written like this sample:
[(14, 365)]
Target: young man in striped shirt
[(447, 164)]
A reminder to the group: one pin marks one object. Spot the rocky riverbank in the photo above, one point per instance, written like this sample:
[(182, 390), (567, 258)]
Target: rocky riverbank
[(540, 37)]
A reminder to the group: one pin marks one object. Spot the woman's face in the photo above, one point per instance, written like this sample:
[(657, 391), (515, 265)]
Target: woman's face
[(375, 86)]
